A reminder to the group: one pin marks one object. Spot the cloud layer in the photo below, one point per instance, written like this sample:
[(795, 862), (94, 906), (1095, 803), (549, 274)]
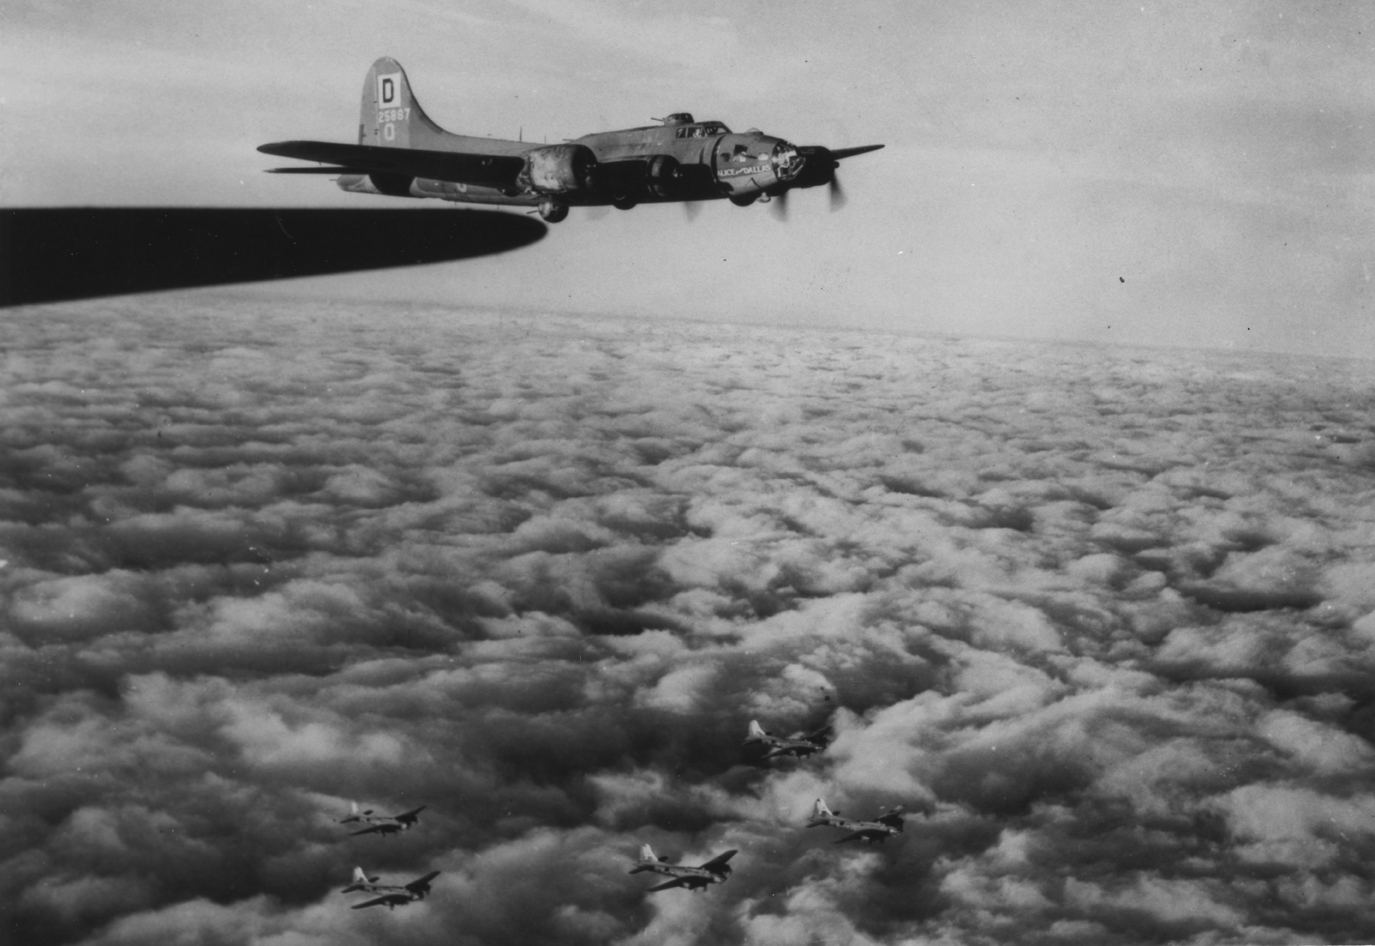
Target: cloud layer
[(1100, 619)]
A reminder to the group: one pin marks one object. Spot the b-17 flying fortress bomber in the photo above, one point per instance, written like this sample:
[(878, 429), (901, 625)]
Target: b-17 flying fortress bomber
[(885, 826), (382, 824), (392, 895), (798, 744), (401, 152), (714, 871)]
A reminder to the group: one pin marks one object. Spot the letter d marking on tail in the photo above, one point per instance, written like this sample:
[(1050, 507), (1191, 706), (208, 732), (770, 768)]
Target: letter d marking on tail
[(386, 89)]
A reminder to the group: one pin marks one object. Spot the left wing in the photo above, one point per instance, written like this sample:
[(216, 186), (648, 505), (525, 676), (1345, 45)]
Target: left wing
[(411, 816), (374, 829), (389, 900), (852, 836), (675, 882), (486, 170)]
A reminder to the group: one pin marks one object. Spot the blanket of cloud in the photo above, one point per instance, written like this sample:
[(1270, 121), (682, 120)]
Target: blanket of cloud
[(1102, 620)]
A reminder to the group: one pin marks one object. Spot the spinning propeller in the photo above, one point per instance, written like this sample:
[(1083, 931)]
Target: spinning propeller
[(819, 166)]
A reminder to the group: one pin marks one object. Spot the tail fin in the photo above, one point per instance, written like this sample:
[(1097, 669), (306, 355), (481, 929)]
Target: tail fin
[(646, 858), (820, 814), (756, 732), (360, 881), (390, 117)]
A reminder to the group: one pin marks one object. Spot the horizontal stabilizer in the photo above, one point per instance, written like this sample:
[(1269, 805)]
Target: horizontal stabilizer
[(485, 170)]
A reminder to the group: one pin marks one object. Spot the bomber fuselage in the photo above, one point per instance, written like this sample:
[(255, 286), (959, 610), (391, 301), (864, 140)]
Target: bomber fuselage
[(681, 159)]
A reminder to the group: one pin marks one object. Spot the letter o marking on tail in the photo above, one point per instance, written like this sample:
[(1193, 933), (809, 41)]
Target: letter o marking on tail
[(389, 131)]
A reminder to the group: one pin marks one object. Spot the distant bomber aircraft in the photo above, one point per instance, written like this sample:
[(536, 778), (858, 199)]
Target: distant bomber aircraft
[(798, 744), (402, 153), (713, 871), (392, 895), (382, 824), (880, 829)]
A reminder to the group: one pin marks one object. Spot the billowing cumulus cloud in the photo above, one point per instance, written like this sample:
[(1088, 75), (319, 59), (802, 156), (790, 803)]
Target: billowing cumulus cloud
[(1101, 621)]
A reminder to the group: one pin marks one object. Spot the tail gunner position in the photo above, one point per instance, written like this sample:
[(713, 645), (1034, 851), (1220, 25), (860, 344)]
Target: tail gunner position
[(402, 153)]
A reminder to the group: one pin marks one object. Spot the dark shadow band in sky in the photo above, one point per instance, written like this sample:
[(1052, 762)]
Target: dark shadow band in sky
[(54, 253)]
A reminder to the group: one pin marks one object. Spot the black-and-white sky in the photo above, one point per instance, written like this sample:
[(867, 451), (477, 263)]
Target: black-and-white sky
[(1151, 173), (1099, 618)]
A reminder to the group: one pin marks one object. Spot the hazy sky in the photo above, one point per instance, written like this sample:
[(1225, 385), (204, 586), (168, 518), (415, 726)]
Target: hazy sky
[(1196, 174)]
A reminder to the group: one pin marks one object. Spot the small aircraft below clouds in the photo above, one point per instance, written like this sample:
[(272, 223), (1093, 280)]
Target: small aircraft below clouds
[(392, 895), (880, 829), (382, 824), (402, 153), (713, 871), (798, 744)]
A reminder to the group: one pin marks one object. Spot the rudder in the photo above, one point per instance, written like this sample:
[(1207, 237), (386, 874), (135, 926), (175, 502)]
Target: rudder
[(390, 117)]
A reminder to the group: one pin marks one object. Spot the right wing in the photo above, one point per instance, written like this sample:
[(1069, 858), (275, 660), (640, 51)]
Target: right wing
[(719, 860), (485, 170), (421, 885)]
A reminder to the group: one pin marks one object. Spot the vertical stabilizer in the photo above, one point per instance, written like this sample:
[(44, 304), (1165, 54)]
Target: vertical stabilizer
[(756, 731), (358, 876), (821, 815), (646, 859), (390, 116)]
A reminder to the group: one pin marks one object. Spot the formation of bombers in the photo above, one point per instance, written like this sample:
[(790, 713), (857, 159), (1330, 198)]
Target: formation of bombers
[(389, 895), (764, 745), (401, 152), (768, 747)]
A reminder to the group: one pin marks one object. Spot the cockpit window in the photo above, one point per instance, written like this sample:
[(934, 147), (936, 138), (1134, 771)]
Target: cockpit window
[(701, 131)]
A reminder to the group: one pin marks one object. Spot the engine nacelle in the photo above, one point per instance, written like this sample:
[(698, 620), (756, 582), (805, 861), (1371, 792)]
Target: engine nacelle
[(663, 175), (558, 169)]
